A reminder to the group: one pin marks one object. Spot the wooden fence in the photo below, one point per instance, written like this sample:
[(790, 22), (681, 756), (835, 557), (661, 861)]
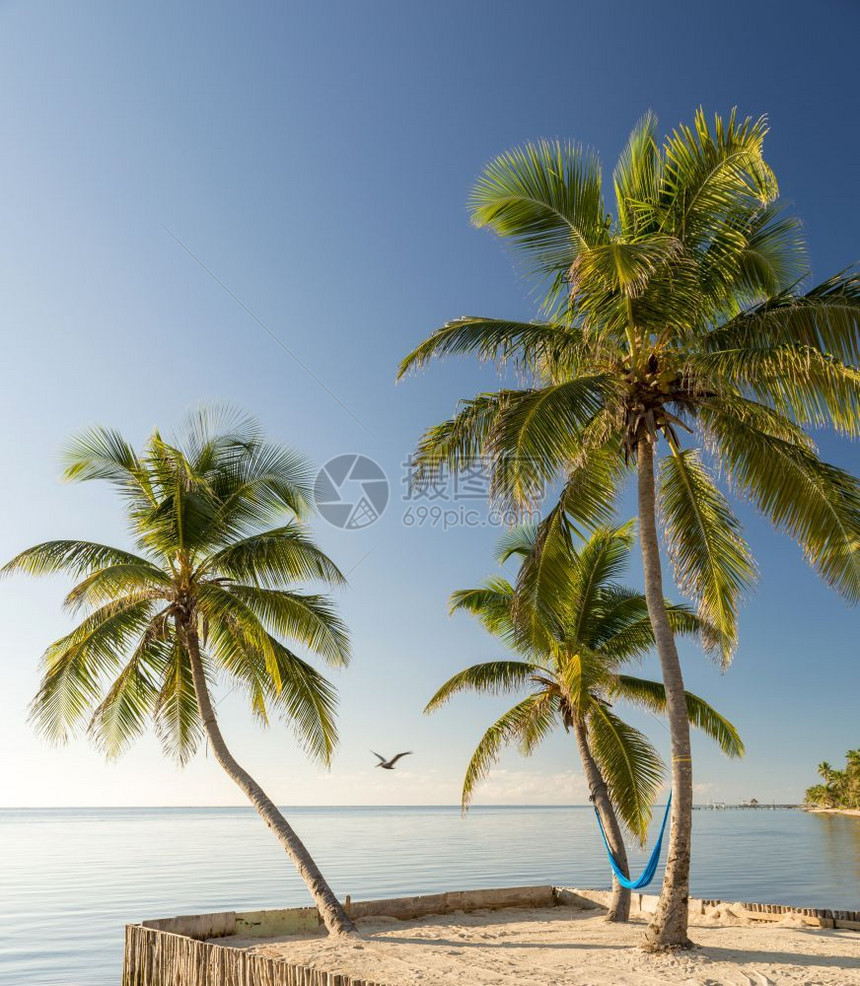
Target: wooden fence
[(645, 904), (162, 958), (176, 952)]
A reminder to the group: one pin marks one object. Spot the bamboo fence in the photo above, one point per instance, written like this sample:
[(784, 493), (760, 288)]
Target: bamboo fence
[(184, 951)]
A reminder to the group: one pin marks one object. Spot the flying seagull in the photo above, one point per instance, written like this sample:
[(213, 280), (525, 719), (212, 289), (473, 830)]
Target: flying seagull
[(389, 764)]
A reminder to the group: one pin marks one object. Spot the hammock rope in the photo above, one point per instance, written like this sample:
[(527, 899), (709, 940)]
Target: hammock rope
[(653, 862)]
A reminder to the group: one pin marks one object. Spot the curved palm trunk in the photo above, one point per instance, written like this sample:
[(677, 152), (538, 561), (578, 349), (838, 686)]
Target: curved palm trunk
[(336, 919), (619, 905), (669, 927)]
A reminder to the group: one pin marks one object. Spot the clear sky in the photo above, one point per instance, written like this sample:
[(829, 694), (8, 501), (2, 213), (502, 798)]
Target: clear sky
[(316, 157)]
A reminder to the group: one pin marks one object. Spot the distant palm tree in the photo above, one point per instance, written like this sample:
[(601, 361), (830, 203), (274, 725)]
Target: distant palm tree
[(576, 628), (852, 776), (826, 772), (203, 597), (682, 313), (841, 788)]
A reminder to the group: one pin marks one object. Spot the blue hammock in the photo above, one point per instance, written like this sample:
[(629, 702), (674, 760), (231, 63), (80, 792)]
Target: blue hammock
[(649, 871)]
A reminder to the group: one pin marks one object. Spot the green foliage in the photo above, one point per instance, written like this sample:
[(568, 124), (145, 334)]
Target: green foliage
[(207, 515), (841, 788), (711, 560), (574, 628), (681, 320)]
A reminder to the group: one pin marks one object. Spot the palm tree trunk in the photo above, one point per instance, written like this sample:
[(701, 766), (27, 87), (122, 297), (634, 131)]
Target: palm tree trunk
[(336, 919), (619, 905), (669, 927)]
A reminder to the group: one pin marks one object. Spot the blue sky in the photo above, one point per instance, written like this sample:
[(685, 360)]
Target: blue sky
[(317, 159)]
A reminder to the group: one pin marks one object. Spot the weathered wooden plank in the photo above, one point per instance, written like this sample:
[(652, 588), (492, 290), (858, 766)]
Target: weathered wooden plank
[(216, 925), (646, 904), (282, 921), (406, 908)]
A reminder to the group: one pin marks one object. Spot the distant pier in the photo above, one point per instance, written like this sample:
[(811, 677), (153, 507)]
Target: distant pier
[(751, 805)]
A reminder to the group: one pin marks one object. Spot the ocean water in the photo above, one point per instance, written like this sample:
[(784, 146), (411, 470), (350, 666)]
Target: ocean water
[(71, 878)]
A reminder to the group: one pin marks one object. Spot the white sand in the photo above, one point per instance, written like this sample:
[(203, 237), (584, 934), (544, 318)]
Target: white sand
[(569, 947)]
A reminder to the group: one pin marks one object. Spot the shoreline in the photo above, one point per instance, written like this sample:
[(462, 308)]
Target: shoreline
[(853, 812)]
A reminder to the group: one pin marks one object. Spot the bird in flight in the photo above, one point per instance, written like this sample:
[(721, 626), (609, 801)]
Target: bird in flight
[(389, 764)]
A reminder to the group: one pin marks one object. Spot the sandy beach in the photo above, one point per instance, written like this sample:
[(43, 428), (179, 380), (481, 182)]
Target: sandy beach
[(544, 947), (834, 811)]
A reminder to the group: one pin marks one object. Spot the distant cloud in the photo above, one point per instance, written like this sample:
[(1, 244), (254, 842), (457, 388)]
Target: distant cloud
[(533, 787)]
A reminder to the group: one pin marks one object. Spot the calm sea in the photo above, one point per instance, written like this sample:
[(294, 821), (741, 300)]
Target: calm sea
[(70, 879)]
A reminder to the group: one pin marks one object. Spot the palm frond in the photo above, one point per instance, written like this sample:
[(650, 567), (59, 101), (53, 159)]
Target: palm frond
[(533, 437), (457, 443), (274, 557), (651, 695), (114, 581), (526, 723), (547, 199), (596, 565), (624, 632), (630, 765), (519, 540), (826, 318), (592, 484), (498, 340), (102, 453), (800, 382), (75, 666), (222, 613), (130, 703), (489, 678), (178, 724), (258, 488), (212, 434), (773, 253), (541, 603), (710, 171), (75, 558), (711, 560), (620, 269), (816, 503), (492, 603), (637, 180), (308, 701), (310, 620)]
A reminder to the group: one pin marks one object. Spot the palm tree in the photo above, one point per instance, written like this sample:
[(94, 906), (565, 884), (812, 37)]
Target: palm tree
[(575, 628), (852, 776), (841, 788), (203, 597), (676, 326), (817, 796), (826, 772)]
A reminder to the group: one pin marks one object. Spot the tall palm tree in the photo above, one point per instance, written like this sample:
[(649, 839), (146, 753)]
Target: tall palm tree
[(576, 628), (204, 596), (677, 325)]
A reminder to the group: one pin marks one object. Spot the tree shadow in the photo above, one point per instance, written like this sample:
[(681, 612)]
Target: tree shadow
[(778, 955), (545, 946)]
